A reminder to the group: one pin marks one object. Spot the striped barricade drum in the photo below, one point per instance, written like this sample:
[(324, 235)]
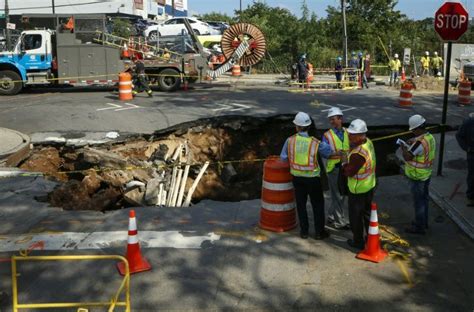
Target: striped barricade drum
[(278, 212), (464, 96), (406, 95)]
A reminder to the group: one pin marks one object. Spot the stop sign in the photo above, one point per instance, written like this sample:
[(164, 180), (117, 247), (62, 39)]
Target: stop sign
[(451, 21)]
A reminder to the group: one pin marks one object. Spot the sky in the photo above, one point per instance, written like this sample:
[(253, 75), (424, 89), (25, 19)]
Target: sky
[(415, 9)]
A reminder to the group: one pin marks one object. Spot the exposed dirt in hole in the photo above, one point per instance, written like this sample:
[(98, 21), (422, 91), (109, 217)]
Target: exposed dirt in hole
[(138, 163)]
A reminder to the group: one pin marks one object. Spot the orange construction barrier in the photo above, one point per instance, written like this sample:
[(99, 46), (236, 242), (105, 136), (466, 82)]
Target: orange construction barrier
[(372, 251), (404, 77), (125, 52), (134, 256), (406, 94), (278, 212), (236, 70), (125, 87), (464, 96)]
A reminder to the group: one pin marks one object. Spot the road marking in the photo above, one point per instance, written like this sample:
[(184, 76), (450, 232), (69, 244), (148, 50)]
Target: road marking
[(231, 107), (118, 108), (343, 108), (101, 240)]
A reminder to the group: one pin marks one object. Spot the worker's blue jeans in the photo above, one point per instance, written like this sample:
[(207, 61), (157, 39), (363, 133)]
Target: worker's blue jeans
[(421, 199), (393, 76)]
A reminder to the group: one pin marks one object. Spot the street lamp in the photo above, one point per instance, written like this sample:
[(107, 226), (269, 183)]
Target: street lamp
[(7, 21)]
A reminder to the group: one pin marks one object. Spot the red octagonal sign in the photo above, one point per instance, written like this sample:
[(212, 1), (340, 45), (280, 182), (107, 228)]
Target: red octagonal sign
[(451, 21)]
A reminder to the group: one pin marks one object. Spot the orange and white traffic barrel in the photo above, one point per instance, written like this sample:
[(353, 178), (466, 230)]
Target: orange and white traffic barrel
[(464, 96), (236, 70), (125, 87), (406, 95), (278, 213)]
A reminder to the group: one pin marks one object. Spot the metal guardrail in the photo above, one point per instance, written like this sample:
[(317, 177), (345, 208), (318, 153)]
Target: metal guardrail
[(114, 302)]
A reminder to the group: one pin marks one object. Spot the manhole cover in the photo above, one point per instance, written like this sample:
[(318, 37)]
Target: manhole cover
[(14, 146)]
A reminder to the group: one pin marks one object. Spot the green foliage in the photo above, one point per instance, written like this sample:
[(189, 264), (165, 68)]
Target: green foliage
[(121, 27), (217, 17), (322, 38)]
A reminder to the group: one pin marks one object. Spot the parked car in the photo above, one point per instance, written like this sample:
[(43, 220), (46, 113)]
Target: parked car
[(220, 26), (175, 26)]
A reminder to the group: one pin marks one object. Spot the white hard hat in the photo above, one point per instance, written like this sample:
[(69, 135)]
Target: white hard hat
[(435, 53), (396, 55), (415, 121), (302, 120), (427, 53), (334, 111), (357, 126)]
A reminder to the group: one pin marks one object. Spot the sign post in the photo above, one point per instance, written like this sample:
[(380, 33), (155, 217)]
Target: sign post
[(451, 22)]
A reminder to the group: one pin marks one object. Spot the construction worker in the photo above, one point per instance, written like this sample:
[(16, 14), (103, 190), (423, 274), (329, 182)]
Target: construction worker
[(465, 138), (140, 80), (362, 70), (302, 67), (302, 152), (425, 64), (337, 137), (359, 168), (353, 65), (436, 63), (394, 65), (338, 71), (419, 157)]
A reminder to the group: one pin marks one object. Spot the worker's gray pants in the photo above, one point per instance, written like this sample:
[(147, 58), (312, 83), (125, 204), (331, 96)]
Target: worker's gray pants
[(336, 210)]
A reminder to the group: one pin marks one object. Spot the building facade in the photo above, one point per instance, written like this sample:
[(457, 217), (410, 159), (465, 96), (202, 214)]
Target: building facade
[(153, 9)]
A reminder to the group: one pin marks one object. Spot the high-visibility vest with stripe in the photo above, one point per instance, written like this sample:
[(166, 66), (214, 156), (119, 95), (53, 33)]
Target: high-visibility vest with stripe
[(420, 167), (303, 156), (364, 180), (336, 146)]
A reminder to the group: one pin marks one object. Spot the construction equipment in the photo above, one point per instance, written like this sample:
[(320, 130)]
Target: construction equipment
[(84, 53)]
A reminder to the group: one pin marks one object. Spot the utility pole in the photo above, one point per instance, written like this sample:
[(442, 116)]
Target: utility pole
[(344, 42), (172, 7), (7, 21), (53, 6), (240, 14)]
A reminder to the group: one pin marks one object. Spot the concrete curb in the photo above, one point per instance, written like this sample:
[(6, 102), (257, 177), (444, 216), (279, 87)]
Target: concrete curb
[(453, 213)]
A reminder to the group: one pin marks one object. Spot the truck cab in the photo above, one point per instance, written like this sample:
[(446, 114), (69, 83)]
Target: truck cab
[(30, 62)]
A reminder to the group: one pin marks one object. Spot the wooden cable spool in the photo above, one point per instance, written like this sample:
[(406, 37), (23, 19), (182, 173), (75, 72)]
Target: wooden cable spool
[(233, 37)]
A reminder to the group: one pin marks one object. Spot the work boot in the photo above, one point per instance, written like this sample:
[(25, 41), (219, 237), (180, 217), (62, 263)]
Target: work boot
[(355, 245), (324, 234), (303, 235)]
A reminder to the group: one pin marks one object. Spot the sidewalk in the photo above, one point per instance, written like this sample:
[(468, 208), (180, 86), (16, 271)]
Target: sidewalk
[(244, 268), (449, 191)]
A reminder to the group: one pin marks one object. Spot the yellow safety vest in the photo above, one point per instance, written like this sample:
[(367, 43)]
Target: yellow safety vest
[(436, 62), (364, 180), (303, 156), (420, 167), (336, 146), (395, 65), (425, 61)]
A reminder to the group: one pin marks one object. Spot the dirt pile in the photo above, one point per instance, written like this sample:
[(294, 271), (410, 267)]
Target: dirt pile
[(429, 83), (143, 170)]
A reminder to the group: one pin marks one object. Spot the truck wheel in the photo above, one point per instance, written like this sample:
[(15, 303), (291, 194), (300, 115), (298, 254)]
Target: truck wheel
[(171, 82), (10, 82)]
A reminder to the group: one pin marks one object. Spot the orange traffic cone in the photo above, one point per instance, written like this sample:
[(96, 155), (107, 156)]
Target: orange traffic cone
[(372, 251), (404, 77), (134, 256)]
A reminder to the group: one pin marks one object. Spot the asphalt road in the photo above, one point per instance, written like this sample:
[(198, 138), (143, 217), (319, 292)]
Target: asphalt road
[(72, 110)]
